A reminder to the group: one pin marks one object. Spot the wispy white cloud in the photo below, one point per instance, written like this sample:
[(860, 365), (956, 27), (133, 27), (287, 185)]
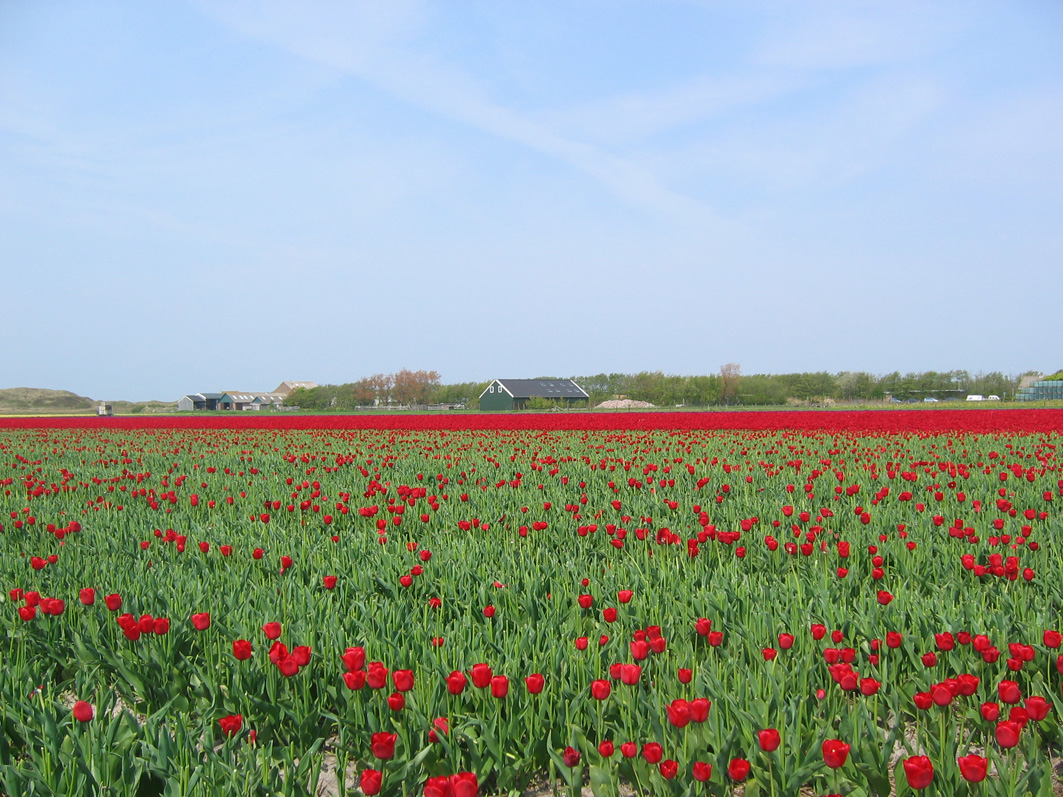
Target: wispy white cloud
[(833, 36), (377, 43), (632, 117)]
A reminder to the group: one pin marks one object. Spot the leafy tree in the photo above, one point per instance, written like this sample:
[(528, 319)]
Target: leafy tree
[(730, 375), (414, 387), (363, 392), (382, 385)]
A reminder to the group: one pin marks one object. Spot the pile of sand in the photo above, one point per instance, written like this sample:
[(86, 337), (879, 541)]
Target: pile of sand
[(623, 404)]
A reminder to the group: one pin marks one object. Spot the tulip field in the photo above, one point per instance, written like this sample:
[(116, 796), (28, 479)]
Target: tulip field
[(813, 603)]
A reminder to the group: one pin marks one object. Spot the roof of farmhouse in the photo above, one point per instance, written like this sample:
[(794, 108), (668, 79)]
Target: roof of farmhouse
[(542, 388)]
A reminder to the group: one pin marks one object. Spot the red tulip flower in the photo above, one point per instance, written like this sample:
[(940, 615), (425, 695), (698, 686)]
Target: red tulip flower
[(354, 658), (652, 752), (382, 745), (354, 680), (82, 711), (769, 740), (630, 673), (535, 683), (241, 649), (463, 784), (973, 767), (738, 769), (668, 769), (679, 713), (1007, 733), (1037, 707), (370, 781), (570, 757), (456, 682), (440, 724), (87, 596), (403, 680), (231, 724), (201, 621), (835, 752), (701, 771), (600, 689), (919, 771), (1009, 692), (966, 684), (699, 709), (499, 686), (272, 630), (376, 675), (481, 675)]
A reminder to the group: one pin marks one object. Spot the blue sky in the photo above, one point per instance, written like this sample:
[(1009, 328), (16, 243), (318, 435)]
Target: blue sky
[(224, 195)]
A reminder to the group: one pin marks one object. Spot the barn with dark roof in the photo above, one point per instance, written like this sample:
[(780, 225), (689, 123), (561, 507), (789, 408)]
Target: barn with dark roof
[(514, 394)]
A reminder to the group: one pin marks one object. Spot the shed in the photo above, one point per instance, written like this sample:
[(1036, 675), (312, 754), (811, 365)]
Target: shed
[(246, 400), (514, 394), (198, 402)]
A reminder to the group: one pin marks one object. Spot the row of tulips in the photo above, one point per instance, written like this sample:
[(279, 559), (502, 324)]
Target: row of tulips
[(967, 420)]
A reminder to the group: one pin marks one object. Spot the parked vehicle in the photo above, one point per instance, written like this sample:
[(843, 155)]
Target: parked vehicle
[(992, 398), (930, 400), (975, 397)]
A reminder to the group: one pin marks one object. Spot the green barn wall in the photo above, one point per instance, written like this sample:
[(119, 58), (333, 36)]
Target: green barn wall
[(500, 400)]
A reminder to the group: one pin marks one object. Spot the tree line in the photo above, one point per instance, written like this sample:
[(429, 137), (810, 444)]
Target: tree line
[(729, 387)]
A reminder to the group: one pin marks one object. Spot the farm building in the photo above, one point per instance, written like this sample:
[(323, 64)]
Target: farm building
[(285, 389), (241, 401), (514, 394), (198, 402), (238, 400)]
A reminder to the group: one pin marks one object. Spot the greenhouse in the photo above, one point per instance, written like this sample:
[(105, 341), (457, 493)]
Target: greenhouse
[(1045, 390)]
